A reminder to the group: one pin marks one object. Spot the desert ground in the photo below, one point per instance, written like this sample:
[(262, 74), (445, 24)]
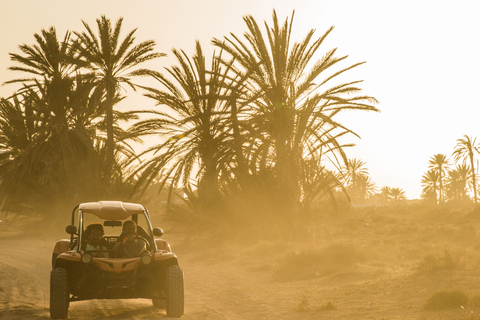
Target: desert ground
[(393, 262)]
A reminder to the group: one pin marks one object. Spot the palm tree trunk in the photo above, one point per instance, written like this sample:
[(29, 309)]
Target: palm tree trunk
[(209, 186), (286, 180), (473, 180), (110, 143), (242, 174), (440, 193)]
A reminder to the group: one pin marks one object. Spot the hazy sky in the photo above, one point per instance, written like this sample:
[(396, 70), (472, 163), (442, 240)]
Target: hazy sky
[(423, 60)]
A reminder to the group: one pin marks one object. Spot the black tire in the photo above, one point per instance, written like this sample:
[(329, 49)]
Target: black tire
[(174, 290), (59, 294), (54, 258)]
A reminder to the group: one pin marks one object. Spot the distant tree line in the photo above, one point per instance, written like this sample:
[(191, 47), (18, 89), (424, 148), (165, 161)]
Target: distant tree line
[(362, 190), (246, 135), (453, 179)]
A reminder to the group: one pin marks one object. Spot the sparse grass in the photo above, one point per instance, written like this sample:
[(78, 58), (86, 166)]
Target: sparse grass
[(316, 262), (447, 299), (440, 246)]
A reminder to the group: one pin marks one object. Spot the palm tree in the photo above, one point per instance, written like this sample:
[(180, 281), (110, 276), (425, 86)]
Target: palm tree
[(194, 126), (53, 105), (49, 148), (366, 187), (439, 163), (17, 131), (465, 150), (430, 181), (318, 182), (111, 62), (45, 61), (355, 177), (398, 194), (457, 182), (386, 193), (51, 80), (291, 106)]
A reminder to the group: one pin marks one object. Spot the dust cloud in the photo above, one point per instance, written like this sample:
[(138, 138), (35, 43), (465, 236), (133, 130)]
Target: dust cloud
[(404, 261)]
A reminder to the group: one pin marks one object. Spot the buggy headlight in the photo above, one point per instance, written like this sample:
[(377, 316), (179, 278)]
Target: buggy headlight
[(146, 258), (86, 258)]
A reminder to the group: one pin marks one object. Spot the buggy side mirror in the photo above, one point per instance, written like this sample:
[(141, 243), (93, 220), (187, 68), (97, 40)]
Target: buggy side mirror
[(71, 229), (158, 232)]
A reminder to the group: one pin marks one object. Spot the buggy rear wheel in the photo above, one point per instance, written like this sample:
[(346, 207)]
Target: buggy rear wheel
[(59, 294), (159, 303), (175, 294)]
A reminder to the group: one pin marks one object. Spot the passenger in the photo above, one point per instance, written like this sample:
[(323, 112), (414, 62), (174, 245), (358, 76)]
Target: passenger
[(129, 245), (94, 238)]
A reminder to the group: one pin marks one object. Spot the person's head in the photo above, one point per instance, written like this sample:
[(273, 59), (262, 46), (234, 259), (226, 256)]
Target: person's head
[(129, 228), (94, 233)]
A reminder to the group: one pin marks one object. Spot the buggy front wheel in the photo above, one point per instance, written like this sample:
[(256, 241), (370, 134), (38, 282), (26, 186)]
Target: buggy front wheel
[(174, 291), (59, 293)]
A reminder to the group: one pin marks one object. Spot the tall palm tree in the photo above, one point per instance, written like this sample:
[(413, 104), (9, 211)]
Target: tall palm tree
[(49, 148), (386, 193), (53, 104), (51, 78), (466, 150), (430, 182), (457, 182), (18, 128), (439, 163), (111, 62), (60, 96), (398, 194), (194, 126), (292, 98), (355, 177), (17, 131), (366, 187), (46, 60)]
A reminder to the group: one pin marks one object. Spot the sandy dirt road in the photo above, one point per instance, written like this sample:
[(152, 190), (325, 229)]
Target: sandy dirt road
[(239, 282), (211, 292)]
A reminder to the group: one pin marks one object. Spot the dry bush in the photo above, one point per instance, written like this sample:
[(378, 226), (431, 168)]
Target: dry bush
[(304, 306), (446, 299), (326, 307), (447, 261), (316, 262)]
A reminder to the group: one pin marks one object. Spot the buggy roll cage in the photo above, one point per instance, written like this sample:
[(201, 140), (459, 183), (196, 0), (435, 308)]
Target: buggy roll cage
[(107, 210)]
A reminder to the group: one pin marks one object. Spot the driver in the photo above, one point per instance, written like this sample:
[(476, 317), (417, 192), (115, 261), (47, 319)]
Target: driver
[(130, 246)]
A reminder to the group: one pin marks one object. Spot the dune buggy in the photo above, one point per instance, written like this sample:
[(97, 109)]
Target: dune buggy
[(78, 274)]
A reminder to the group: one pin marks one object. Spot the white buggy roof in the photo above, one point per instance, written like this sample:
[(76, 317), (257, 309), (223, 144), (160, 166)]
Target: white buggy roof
[(112, 210)]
